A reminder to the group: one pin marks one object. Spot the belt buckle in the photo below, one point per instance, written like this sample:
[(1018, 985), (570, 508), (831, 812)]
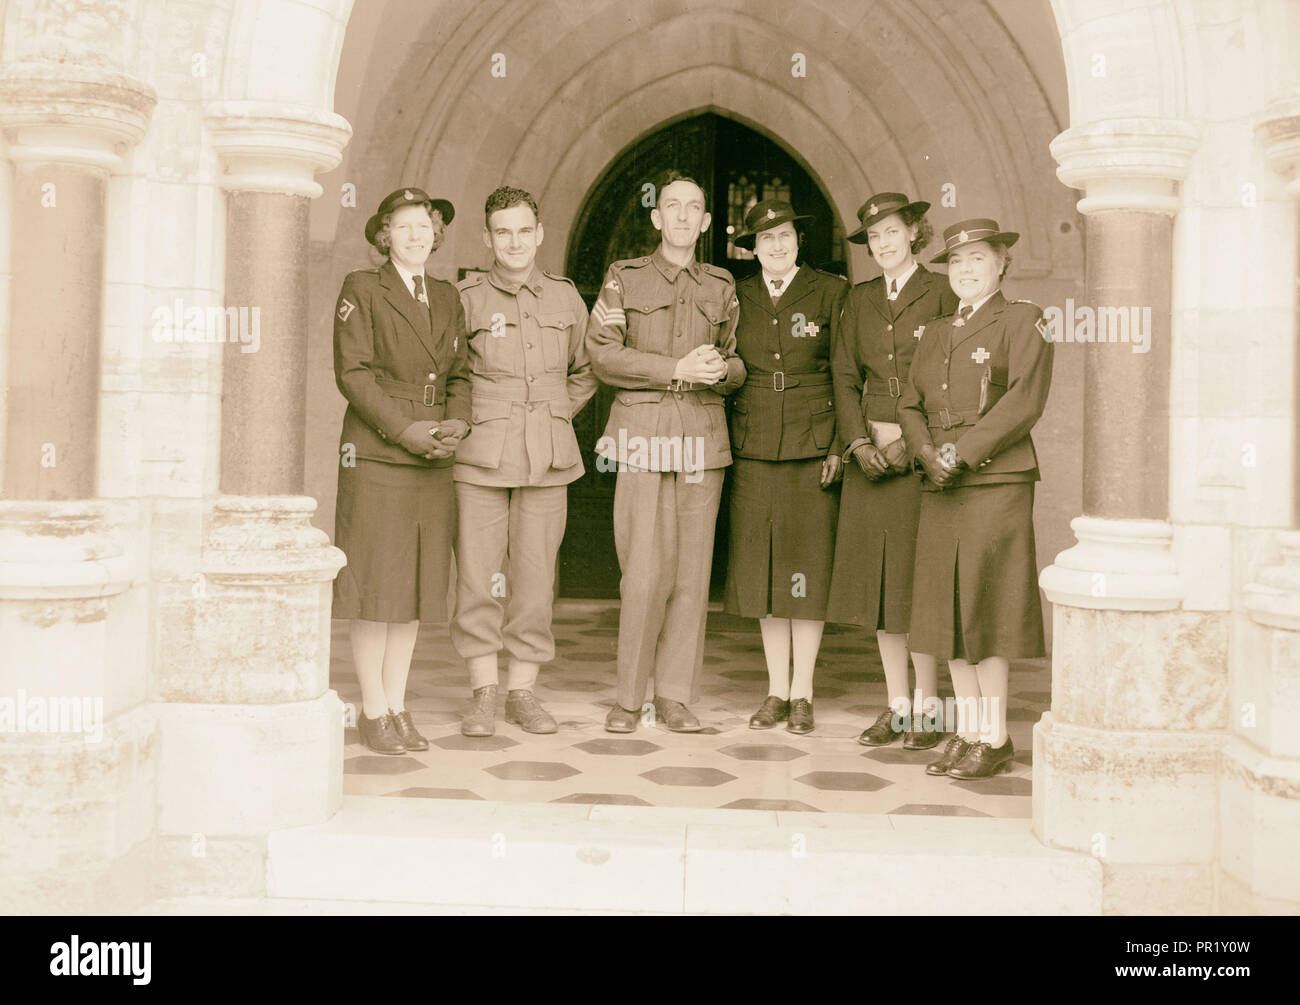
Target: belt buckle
[(945, 417), (675, 384), (895, 388), (430, 394), (778, 385)]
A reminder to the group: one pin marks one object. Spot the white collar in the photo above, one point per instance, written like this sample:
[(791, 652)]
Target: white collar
[(901, 281), (408, 276), (785, 280), (976, 305)]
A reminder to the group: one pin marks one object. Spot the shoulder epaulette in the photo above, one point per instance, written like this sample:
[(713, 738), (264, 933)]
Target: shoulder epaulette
[(716, 271), (471, 281), (1029, 302), (559, 279)]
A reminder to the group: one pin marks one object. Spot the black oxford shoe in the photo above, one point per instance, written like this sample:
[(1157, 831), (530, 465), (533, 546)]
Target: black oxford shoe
[(881, 731), (379, 734), (772, 711), (952, 753), (801, 716), (406, 731), (676, 716), (921, 739), (983, 761)]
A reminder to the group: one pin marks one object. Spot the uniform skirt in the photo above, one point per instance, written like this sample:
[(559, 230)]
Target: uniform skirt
[(875, 549), (975, 591), (395, 523), (782, 539)]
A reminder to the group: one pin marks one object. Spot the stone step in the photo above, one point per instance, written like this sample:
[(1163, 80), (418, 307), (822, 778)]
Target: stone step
[(487, 856)]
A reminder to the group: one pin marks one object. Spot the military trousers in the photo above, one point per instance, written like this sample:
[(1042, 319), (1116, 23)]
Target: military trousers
[(663, 533), (505, 578)]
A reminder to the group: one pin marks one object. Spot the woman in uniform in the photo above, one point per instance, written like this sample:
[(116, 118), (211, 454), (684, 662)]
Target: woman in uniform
[(400, 360), (786, 459), (883, 321), (978, 384)]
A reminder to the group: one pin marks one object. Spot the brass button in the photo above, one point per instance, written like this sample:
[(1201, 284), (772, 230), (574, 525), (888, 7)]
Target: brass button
[(774, 321), (777, 355), (433, 376), (678, 393), (891, 355), (889, 328), (531, 379), (945, 361), (944, 387), (531, 406), (525, 314), (681, 300), (530, 345)]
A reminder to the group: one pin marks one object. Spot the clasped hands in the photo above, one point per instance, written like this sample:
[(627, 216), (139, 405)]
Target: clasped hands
[(433, 440), (702, 365), (936, 469), (881, 462)]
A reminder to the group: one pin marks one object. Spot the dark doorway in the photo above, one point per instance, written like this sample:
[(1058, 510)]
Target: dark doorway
[(738, 167)]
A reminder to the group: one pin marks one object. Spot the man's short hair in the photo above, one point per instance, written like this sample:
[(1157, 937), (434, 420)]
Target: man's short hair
[(504, 198), (672, 175)]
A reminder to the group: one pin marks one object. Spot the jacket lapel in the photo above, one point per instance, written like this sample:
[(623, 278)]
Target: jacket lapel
[(916, 288), (800, 286), (982, 318), (400, 299), (754, 291)]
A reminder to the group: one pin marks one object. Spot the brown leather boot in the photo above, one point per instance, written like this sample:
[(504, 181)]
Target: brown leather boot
[(525, 710), (481, 719)]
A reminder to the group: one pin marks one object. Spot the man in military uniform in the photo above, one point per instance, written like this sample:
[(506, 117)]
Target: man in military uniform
[(529, 376), (663, 332)]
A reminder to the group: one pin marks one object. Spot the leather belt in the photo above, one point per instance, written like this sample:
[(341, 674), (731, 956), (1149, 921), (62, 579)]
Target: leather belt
[(426, 393), (945, 418), (895, 388), (779, 380), (686, 385)]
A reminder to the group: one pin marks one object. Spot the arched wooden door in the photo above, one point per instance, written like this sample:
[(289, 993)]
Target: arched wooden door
[(738, 167)]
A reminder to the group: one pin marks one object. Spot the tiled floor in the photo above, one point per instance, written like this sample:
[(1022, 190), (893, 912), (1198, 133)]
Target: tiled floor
[(728, 765)]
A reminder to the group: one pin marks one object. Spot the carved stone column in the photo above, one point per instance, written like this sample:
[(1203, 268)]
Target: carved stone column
[(1125, 763)]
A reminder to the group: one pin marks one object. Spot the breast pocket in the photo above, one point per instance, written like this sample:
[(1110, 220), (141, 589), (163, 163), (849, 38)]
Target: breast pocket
[(822, 421), (649, 320), (554, 330), (714, 318), (493, 349)]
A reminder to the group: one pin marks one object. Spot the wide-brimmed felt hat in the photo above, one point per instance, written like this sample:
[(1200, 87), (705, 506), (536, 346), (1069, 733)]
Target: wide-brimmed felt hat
[(970, 231), (408, 196), (764, 216), (879, 206)]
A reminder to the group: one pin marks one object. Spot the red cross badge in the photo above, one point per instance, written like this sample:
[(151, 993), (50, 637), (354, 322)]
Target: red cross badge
[(979, 355)]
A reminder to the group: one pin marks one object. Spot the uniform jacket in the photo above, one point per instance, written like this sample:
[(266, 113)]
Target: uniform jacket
[(875, 342), (392, 368), (981, 386), (785, 410), (649, 314), (529, 375)]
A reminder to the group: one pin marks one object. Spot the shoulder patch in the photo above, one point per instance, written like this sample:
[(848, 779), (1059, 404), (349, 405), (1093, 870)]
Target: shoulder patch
[(346, 307)]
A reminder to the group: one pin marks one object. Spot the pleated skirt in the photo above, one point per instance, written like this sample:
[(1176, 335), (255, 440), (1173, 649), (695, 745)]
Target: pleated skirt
[(782, 539), (395, 523), (975, 590), (875, 545)]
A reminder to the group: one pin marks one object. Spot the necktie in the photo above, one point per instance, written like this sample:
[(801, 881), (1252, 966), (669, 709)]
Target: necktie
[(419, 289), (966, 311), (776, 286), (893, 288)]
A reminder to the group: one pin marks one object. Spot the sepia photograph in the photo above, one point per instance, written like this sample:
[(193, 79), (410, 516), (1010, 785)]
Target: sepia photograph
[(650, 458)]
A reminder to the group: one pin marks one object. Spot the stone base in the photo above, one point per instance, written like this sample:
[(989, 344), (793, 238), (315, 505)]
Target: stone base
[(1158, 889), (238, 770), (1259, 822), (217, 867), (77, 819), (1127, 797)]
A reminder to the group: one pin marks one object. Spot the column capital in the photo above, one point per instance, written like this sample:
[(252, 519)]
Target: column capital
[(1274, 600), (1278, 129), (69, 114), (275, 147), (1133, 163), (1123, 565), (59, 551)]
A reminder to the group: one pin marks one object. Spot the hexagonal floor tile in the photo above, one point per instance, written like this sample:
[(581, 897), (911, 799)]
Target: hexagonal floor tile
[(762, 752), (998, 785), (423, 792), (458, 742), (774, 805), (938, 810), (532, 771), (687, 776), (603, 799), (381, 764), (897, 755), (844, 781), (625, 747)]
